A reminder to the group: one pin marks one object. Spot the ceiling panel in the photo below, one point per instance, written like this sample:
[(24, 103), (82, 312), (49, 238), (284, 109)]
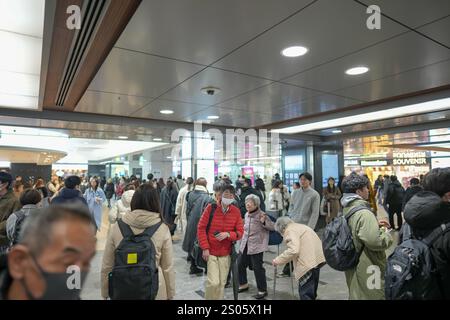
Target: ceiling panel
[(131, 73), (268, 98), (201, 31), (427, 77), (180, 109), (388, 58), (324, 28), (439, 31), (413, 13), (315, 105), (230, 84), (109, 103), (234, 118)]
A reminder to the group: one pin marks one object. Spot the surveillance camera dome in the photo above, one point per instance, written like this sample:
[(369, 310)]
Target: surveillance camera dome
[(210, 91)]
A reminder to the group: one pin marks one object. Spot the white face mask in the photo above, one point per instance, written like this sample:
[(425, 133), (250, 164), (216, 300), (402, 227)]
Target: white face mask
[(226, 201)]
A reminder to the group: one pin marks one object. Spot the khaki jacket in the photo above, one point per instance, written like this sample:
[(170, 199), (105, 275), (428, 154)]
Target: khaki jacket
[(304, 248), (138, 220)]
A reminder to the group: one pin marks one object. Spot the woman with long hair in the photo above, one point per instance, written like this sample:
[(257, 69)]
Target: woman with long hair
[(168, 199), (331, 195), (95, 197)]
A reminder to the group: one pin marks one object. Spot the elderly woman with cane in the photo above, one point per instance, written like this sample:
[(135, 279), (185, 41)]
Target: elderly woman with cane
[(304, 248), (253, 245)]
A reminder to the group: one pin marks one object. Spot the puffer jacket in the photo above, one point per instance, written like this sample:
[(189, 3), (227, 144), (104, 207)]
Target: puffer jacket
[(368, 237), (425, 212), (276, 200), (121, 207), (395, 194), (139, 220), (256, 234)]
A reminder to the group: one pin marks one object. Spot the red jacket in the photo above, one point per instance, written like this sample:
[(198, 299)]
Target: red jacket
[(230, 221)]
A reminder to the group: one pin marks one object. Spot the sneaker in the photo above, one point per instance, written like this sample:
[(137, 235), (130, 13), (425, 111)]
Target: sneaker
[(195, 270), (260, 295)]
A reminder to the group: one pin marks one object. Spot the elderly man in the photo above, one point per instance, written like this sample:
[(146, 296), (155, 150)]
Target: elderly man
[(304, 248), (254, 243)]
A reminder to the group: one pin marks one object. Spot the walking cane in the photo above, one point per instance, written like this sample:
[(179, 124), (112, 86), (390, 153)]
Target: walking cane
[(274, 281), (292, 282)]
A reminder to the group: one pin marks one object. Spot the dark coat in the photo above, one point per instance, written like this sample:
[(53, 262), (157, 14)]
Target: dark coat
[(109, 190), (425, 212), (66, 195), (245, 191), (409, 193), (395, 193), (196, 202), (168, 200), (8, 204)]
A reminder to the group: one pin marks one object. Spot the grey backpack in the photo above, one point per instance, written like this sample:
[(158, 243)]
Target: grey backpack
[(338, 247)]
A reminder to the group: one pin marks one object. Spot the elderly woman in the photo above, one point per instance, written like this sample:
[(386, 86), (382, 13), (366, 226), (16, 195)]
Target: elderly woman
[(253, 244), (304, 248)]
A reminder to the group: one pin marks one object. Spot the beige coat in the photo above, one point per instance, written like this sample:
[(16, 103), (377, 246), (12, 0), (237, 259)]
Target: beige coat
[(138, 220), (303, 247)]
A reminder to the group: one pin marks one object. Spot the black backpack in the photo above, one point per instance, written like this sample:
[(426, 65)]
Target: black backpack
[(338, 248), (135, 273), (411, 271)]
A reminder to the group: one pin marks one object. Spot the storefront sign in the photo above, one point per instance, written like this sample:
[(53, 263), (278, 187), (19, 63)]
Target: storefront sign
[(367, 163), (410, 158)]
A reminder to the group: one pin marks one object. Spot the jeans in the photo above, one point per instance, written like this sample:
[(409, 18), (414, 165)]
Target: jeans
[(395, 210), (308, 291), (256, 261)]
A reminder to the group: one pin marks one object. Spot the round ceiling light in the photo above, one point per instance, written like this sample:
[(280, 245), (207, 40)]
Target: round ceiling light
[(166, 111), (357, 70), (294, 51)]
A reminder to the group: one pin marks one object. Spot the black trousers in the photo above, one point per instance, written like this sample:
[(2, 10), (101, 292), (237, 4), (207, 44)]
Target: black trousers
[(308, 291), (256, 261), (395, 209)]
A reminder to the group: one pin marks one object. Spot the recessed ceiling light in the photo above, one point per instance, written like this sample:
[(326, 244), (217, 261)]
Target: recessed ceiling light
[(257, 146), (294, 51), (169, 157), (166, 111), (357, 70), (213, 117), (122, 137), (157, 139), (337, 131)]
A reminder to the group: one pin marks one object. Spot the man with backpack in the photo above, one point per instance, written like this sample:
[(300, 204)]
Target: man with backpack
[(29, 200), (370, 239), (394, 200), (419, 268)]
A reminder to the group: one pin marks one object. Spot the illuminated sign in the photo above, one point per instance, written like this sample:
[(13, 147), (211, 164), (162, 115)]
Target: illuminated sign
[(373, 163), (409, 158)]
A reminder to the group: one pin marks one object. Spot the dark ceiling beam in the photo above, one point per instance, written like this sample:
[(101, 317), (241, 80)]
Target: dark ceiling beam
[(113, 22)]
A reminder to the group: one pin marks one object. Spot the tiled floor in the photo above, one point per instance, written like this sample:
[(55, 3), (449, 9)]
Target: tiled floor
[(331, 286)]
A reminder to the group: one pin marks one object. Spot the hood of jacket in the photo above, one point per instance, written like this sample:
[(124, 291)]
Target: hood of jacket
[(67, 193), (126, 198), (347, 198), (426, 210), (141, 219)]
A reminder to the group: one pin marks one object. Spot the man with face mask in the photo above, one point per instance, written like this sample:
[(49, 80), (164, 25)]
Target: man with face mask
[(52, 258), (8, 204)]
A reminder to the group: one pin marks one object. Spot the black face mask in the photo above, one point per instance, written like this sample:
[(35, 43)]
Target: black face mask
[(58, 285)]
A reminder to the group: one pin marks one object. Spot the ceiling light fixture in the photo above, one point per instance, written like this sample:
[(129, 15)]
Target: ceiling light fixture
[(157, 139), (418, 108), (357, 70), (294, 51), (337, 131), (123, 137), (166, 111), (213, 117)]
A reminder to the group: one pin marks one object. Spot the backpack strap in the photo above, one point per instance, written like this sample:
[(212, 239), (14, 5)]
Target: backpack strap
[(125, 229), (436, 233), (150, 231), (354, 210), (211, 215)]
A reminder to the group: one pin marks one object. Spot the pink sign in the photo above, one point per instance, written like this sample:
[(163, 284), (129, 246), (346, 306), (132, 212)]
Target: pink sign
[(248, 173)]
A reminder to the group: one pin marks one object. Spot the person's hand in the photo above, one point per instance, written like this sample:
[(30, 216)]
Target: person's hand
[(384, 223), (205, 255), (222, 236), (274, 263), (263, 218)]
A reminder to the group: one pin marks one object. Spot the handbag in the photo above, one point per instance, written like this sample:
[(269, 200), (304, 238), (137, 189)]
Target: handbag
[(197, 252), (275, 238)]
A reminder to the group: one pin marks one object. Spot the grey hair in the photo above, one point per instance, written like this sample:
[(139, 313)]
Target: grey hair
[(282, 223), (36, 231), (254, 198)]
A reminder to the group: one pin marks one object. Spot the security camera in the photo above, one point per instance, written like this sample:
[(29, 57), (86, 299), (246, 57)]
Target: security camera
[(210, 91)]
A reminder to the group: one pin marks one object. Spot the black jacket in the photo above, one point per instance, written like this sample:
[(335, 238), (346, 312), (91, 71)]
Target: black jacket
[(409, 193), (109, 190), (245, 191), (66, 195), (425, 212), (168, 199), (395, 193)]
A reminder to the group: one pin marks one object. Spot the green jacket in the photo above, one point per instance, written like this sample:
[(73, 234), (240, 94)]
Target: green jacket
[(8, 204), (363, 281)]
